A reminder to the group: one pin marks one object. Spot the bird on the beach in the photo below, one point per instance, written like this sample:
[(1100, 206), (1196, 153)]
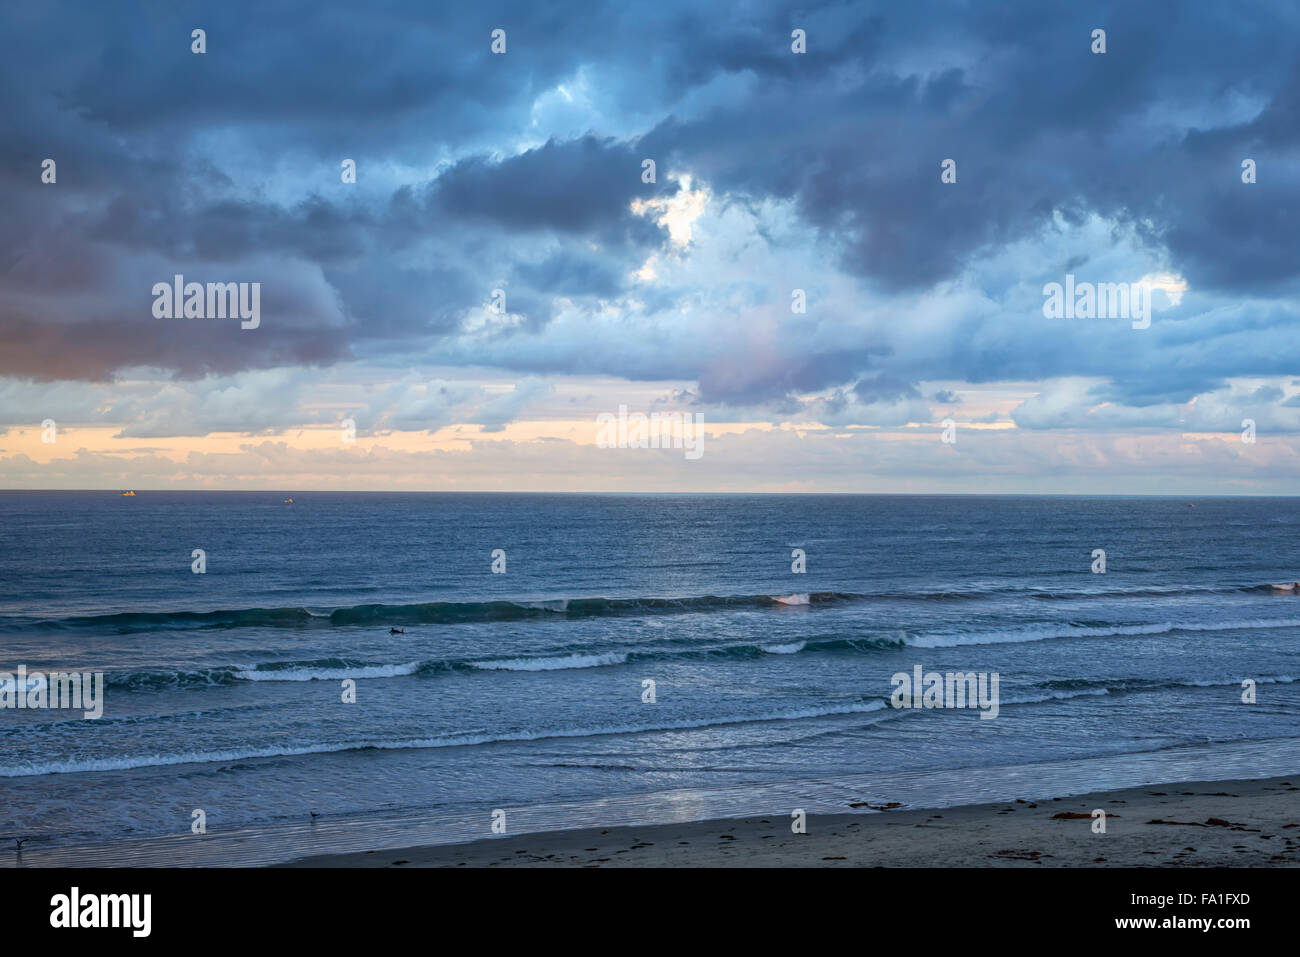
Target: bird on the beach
[(18, 844), (313, 814), (397, 631)]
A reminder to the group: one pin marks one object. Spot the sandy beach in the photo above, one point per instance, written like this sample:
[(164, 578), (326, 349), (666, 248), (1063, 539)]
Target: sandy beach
[(1253, 823)]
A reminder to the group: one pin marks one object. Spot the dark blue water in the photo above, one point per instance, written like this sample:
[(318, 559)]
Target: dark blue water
[(224, 690)]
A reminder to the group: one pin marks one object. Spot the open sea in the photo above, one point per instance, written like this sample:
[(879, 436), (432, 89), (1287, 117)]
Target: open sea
[(523, 691)]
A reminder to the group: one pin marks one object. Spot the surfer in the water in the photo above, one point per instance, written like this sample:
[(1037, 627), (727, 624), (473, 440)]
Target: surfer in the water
[(397, 631)]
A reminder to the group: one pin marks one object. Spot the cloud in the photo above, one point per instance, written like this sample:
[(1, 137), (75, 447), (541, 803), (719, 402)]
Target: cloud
[(776, 172)]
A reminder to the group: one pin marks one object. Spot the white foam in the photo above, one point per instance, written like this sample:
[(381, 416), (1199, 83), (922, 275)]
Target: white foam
[(552, 664), (1071, 631), (559, 605), (800, 598), (328, 674), (791, 649)]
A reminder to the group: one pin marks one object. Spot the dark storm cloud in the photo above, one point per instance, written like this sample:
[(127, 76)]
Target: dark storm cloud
[(228, 163), (884, 388), (582, 187), (572, 272), (1046, 125), (740, 383)]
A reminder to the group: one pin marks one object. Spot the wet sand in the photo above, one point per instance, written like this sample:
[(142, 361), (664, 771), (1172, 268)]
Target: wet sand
[(1254, 823)]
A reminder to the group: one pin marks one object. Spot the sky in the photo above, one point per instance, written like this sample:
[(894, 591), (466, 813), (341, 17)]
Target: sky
[(836, 274)]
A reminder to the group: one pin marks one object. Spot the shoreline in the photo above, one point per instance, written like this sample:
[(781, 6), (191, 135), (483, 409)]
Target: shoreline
[(1224, 823)]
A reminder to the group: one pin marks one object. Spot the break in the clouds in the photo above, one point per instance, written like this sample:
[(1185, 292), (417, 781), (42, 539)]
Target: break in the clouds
[(502, 268)]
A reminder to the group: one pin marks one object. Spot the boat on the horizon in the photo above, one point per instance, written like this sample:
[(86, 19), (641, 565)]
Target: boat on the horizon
[(124, 494)]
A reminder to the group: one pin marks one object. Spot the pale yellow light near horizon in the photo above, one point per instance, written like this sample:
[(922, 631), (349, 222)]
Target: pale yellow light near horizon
[(105, 439), (73, 439)]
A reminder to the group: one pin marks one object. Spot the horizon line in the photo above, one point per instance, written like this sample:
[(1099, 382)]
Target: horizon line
[(291, 491)]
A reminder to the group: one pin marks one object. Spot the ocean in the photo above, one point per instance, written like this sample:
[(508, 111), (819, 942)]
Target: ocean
[(526, 691)]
